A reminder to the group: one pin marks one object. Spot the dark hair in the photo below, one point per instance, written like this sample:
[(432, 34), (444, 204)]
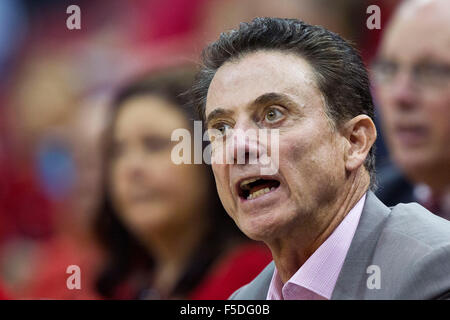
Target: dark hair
[(338, 68), (125, 253)]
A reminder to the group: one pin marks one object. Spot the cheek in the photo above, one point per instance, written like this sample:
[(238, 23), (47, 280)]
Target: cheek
[(219, 172), (386, 111), (222, 186), (382, 96), (437, 101), (438, 111), (118, 183), (385, 106), (187, 190), (174, 185), (311, 163), (303, 161), (308, 148)]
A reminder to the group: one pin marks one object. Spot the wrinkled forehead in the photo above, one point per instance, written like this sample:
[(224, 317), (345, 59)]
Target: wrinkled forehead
[(239, 82), (418, 31)]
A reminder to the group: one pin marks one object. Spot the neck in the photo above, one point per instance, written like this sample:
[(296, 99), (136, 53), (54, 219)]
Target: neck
[(172, 251), (292, 251)]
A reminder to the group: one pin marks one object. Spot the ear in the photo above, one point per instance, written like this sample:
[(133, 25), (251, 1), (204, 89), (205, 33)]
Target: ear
[(360, 134)]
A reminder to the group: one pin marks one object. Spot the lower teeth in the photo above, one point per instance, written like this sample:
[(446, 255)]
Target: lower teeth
[(259, 193)]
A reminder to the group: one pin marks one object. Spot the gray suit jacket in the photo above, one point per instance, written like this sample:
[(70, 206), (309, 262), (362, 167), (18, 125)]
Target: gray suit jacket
[(410, 245)]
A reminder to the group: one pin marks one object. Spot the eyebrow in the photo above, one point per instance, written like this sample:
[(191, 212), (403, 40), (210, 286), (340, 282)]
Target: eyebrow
[(264, 99), (217, 113), (273, 98)]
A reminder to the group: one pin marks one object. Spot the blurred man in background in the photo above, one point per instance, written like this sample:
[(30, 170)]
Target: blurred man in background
[(412, 77)]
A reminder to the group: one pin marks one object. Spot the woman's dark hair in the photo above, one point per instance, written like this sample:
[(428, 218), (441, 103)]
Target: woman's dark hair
[(125, 254)]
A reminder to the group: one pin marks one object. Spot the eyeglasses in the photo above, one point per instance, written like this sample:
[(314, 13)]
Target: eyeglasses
[(426, 74)]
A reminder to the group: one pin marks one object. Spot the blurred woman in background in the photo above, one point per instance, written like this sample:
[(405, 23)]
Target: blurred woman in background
[(165, 231)]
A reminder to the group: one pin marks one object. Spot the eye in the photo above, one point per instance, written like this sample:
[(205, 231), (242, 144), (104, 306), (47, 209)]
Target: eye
[(432, 71), (222, 128), (155, 144), (273, 115), (384, 70)]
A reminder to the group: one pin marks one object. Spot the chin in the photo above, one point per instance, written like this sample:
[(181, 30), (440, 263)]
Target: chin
[(260, 228)]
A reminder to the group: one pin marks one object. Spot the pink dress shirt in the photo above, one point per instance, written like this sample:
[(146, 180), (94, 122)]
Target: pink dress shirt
[(316, 278)]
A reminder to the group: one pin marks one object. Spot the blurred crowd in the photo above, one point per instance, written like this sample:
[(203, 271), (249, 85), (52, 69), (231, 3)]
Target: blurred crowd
[(86, 118)]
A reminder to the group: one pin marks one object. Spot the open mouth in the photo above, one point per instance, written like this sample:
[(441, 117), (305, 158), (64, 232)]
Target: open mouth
[(253, 188)]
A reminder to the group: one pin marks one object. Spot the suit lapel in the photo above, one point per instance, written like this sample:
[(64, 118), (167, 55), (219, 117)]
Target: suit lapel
[(351, 283), (258, 288)]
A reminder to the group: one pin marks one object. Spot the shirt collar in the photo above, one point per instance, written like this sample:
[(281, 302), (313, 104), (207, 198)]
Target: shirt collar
[(317, 277)]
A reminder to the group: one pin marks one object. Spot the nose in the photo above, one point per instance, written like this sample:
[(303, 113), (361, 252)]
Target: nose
[(243, 145), (134, 167), (404, 92)]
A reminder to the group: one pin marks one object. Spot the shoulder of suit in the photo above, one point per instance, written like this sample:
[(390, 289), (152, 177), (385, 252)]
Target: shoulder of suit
[(409, 245), (416, 225), (420, 242)]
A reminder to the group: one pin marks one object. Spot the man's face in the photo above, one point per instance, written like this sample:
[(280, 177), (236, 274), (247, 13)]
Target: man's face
[(275, 90), (415, 109)]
